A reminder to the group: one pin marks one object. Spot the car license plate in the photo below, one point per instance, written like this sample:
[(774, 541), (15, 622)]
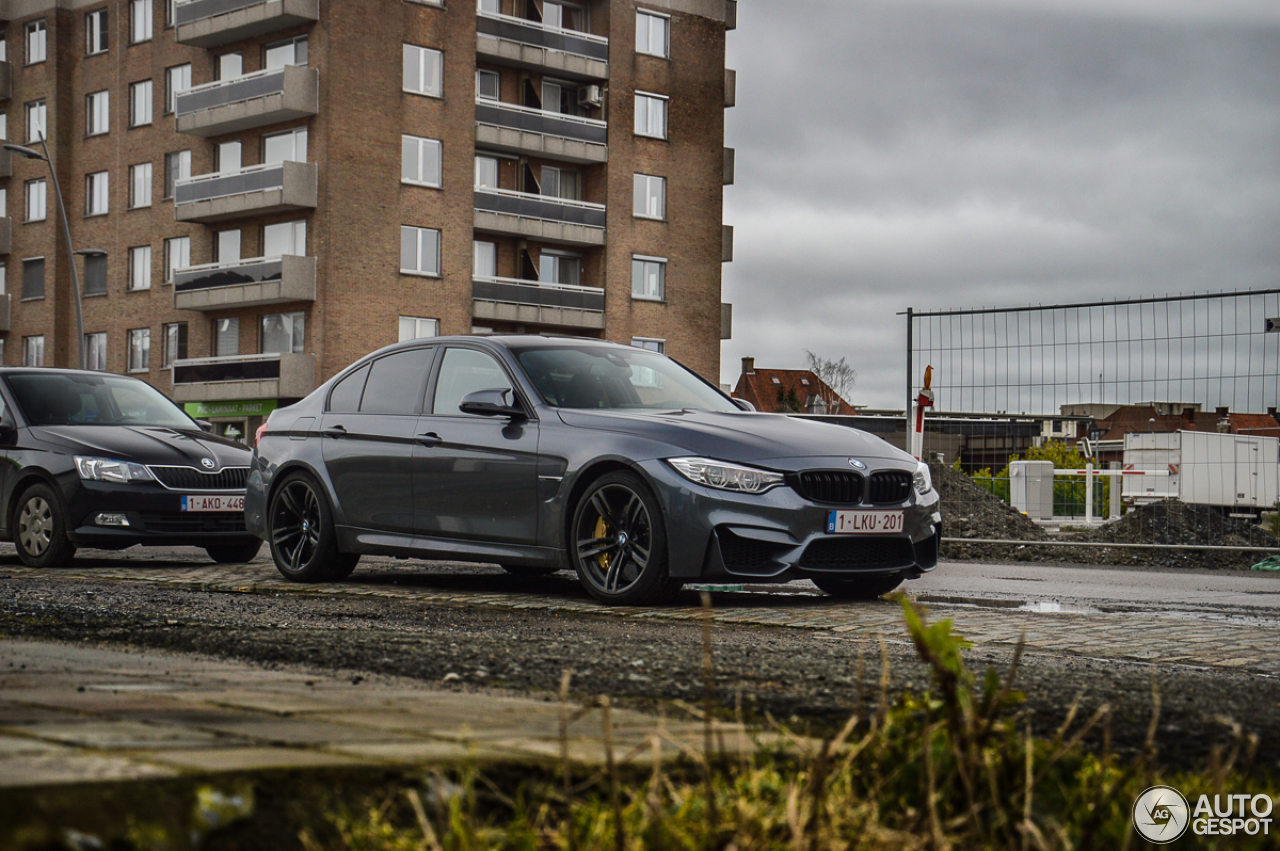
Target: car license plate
[(864, 522), (213, 503)]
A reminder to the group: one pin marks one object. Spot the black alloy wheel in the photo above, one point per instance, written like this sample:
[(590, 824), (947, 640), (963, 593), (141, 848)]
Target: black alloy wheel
[(233, 553), (858, 588), (40, 529), (303, 541), (619, 543)]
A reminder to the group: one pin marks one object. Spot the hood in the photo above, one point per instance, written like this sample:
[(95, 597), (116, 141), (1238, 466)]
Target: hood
[(746, 438), (145, 445)]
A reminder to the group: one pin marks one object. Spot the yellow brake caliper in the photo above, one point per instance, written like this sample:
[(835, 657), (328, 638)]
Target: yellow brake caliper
[(602, 531)]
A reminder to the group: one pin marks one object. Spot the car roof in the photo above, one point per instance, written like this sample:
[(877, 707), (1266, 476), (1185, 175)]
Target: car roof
[(53, 370), (508, 341)]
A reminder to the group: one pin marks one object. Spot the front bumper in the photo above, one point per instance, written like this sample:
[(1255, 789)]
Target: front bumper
[(779, 536), (154, 514)]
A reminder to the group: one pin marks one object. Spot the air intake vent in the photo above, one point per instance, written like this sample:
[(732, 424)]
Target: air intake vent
[(858, 553), (831, 486), (889, 487), (191, 479)]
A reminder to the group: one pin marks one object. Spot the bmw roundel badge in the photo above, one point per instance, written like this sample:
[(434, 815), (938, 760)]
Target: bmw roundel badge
[(854, 462)]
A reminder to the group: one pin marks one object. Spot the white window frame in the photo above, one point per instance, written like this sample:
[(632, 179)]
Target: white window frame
[(97, 113), (172, 334), (550, 259), (140, 186), (415, 325), (485, 74), (141, 22), (95, 351), (97, 193), (644, 201), (297, 138), (37, 38), (184, 170), (96, 32), (415, 79), (291, 320), (33, 350), (414, 158), (646, 48), (139, 355), (177, 78), (37, 120), (479, 247), (646, 103), (661, 263), (420, 238), (141, 105), (139, 268), (37, 199), (177, 255), (487, 158), (650, 344)]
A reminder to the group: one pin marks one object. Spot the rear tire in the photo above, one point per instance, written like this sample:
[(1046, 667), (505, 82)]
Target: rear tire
[(234, 553), (618, 542), (300, 529), (860, 588), (40, 529)]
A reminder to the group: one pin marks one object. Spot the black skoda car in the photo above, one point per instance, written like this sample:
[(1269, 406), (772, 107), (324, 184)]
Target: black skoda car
[(105, 461), (543, 453)]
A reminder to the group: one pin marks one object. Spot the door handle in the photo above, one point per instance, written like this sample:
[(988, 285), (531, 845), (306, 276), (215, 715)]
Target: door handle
[(429, 439), (334, 431)]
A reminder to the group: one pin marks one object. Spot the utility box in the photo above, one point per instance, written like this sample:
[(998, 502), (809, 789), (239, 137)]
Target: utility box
[(1031, 488), (1233, 471)]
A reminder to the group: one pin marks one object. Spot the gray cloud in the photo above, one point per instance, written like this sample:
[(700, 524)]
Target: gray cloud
[(964, 153)]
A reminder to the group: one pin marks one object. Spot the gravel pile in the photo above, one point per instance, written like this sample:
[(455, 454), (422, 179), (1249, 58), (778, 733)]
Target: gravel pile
[(969, 511)]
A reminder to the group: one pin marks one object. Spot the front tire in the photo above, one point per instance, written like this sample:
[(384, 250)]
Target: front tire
[(618, 542), (40, 529), (860, 588), (234, 553), (303, 539)]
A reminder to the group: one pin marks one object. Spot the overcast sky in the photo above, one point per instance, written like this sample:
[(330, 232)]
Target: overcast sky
[(965, 153)]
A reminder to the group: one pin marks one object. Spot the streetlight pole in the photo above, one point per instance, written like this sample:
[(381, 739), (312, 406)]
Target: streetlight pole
[(32, 154)]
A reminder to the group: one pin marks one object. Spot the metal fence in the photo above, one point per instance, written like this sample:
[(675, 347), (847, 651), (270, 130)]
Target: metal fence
[(1148, 427)]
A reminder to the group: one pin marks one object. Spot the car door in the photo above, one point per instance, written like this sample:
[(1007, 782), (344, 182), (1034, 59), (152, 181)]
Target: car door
[(475, 477), (368, 440)]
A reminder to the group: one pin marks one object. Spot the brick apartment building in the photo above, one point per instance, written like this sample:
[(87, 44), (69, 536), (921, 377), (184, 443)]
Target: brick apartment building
[(281, 186)]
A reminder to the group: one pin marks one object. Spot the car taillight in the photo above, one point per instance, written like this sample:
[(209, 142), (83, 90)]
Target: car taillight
[(257, 437)]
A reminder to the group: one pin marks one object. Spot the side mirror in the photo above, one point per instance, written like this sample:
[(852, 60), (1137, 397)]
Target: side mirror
[(491, 403), (743, 404), (205, 425)]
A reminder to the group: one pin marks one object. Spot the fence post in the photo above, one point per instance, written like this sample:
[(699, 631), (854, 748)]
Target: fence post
[(1088, 494), (1117, 485), (911, 396)]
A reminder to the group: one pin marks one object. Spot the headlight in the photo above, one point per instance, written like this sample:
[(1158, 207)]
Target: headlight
[(110, 470), (727, 477), (922, 479)]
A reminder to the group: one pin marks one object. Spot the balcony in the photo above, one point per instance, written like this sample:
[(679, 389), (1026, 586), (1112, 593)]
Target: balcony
[(535, 303), (249, 283), (254, 100), (6, 235), (519, 129), (244, 377), (210, 23), (6, 163), (528, 44), (253, 191), (6, 80), (6, 313), (541, 217)]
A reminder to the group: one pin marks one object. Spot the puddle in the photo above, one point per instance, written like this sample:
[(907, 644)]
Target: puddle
[(1037, 606)]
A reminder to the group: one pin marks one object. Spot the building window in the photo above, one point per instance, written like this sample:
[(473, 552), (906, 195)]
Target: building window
[(175, 343), (490, 7), (177, 79), (653, 34), (4, 116), (649, 278), (140, 103), (4, 208), (422, 70), (95, 193), (33, 351), (417, 327), (95, 351), (484, 259), (283, 333), (280, 54), (33, 278), (419, 251), (486, 172), (140, 185), (565, 16), (651, 116), (3, 275), (177, 255), (37, 195), (140, 21), (289, 146), (177, 166), (98, 113), (420, 161), (561, 183), (284, 238), (171, 12), (487, 85), (557, 268), (37, 45), (226, 337), (95, 274), (140, 267), (35, 120), (95, 24), (650, 196), (140, 350)]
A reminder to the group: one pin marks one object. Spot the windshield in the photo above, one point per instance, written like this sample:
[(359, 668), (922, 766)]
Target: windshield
[(77, 399), (617, 378)]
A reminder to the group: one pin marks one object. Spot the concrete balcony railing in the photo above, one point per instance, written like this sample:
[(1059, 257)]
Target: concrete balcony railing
[(6, 80), (210, 23), (254, 100), (253, 191), (536, 303), (541, 217), (6, 312), (6, 234), (289, 376), (519, 129), (528, 44), (249, 283)]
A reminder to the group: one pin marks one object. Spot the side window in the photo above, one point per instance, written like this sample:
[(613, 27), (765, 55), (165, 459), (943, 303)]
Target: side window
[(465, 371), (345, 397), (395, 381)]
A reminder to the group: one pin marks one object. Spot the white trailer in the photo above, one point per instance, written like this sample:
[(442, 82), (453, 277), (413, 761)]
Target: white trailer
[(1230, 471)]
